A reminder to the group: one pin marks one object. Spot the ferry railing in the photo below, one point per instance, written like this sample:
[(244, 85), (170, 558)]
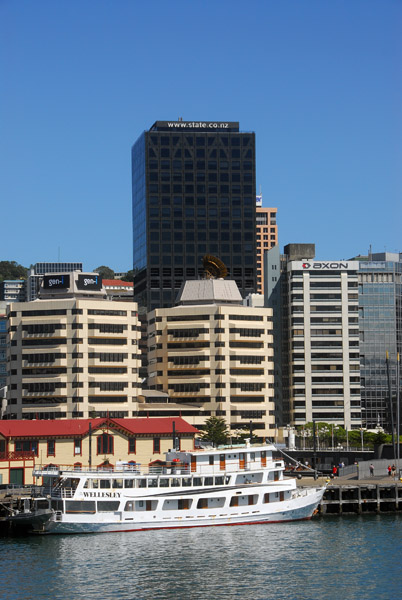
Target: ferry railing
[(171, 468)]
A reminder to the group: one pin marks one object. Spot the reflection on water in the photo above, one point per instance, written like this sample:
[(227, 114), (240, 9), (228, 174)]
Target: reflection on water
[(353, 558)]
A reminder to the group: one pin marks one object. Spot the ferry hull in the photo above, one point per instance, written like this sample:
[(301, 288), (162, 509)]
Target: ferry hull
[(304, 511)]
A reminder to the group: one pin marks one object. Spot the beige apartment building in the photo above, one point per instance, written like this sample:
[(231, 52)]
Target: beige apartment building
[(266, 238), (213, 357), (71, 353)]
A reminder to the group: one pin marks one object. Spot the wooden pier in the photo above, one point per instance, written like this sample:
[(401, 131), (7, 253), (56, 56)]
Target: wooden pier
[(347, 496)]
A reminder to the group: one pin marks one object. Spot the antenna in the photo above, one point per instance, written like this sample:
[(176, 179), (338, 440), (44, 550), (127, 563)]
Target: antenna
[(214, 268)]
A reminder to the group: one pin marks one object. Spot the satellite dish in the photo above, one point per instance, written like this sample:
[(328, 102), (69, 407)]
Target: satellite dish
[(214, 268)]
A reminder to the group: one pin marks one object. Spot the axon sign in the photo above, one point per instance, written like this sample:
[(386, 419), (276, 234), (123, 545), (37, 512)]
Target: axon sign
[(315, 265), (328, 266)]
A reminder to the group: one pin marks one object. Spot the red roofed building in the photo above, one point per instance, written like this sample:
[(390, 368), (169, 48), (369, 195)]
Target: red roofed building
[(80, 442), (117, 289)]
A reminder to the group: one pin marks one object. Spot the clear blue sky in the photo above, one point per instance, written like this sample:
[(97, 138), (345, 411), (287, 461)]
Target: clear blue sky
[(318, 81)]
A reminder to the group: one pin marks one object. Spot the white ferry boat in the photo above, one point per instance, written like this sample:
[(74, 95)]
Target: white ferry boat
[(222, 486)]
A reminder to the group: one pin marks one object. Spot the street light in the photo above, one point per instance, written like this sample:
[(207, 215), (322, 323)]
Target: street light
[(361, 436), (332, 435)]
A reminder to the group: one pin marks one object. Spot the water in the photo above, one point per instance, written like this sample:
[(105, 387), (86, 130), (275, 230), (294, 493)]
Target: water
[(324, 559)]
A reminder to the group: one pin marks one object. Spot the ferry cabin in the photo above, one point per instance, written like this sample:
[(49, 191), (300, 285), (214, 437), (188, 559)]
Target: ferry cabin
[(223, 481)]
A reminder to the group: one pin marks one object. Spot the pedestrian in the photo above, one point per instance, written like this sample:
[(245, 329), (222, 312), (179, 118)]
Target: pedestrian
[(393, 470), (389, 470), (371, 470), (334, 471)]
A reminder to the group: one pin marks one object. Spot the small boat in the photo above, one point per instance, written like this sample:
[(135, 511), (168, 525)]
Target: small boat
[(231, 485)]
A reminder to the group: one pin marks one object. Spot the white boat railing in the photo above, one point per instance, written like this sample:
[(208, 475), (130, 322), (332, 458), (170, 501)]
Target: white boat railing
[(149, 470)]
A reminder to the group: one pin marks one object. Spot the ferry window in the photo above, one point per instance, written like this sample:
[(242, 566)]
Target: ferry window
[(234, 501), (175, 482), (131, 445), (80, 506), (146, 505), (183, 504), (227, 479), (252, 455), (211, 502), (129, 483), (117, 483), (266, 498), (219, 480), (211, 459), (208, 481), (77, 446), (197, 481), (157, 445), (86, 484), (105, 443), (152, 483), (104, 484), (186, 481), (163, 482), (142, 483), (51, 448), (108, 505), (129, 506), (95, 484)]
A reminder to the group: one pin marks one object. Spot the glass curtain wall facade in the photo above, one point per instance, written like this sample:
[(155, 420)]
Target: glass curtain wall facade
[(380, 319), (193, 194)]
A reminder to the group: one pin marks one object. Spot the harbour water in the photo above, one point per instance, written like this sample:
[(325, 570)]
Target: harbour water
[(324, 559)]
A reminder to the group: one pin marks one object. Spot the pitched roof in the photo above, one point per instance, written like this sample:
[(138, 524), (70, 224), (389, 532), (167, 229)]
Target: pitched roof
[(80, 427), (209, 291)]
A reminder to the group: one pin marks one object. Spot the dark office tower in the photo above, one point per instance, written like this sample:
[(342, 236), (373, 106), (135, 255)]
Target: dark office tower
[(193, 194)]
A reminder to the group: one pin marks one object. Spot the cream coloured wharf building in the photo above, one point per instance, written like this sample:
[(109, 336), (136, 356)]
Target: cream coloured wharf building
[(213, 356), (72, 353)]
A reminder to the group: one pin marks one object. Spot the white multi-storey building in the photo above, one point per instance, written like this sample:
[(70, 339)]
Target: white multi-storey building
[(323, 342)]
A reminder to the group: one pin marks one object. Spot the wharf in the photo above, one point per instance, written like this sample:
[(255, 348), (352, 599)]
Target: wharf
[(348, 495)]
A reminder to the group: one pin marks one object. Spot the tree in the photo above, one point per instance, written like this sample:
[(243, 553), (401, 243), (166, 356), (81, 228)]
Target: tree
[(12, 270), (215, 431), (105, 272), (129, 276)]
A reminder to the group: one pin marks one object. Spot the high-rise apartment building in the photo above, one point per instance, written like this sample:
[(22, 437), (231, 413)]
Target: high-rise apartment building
[(267, 237), (212, 353), (380, 324), (193, 194), (72, 353), (3, 345), (319, 313)]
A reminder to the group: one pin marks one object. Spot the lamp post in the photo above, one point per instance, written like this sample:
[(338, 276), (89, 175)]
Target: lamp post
[(332, 435), (361, 436)]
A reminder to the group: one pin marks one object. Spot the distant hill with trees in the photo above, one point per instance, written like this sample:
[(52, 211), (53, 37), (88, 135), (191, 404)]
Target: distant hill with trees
[(12, 270)]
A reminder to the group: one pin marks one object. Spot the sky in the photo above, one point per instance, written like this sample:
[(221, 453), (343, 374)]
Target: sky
[(320, 82)]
